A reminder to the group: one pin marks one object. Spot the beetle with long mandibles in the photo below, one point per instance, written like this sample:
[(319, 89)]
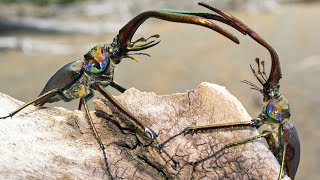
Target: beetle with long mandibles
[(283, 139), (80, 78)]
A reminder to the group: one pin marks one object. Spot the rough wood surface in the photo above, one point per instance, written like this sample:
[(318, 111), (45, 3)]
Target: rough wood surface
[(58, 143)]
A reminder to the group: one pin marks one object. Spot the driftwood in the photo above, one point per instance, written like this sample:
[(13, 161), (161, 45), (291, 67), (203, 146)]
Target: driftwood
[(58, 143)]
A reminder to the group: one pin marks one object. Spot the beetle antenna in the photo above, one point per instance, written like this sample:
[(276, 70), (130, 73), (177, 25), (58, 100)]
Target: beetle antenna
[(252, 86), (135, 59)]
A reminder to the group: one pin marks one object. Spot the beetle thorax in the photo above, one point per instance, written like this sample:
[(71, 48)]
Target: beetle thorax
[(277, 109), (79, 89), (105, 77)]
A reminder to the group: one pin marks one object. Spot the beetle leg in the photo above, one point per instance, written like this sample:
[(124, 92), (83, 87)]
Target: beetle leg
[(266, 134), (84, 102), (271, 142), (107, 95), (40, 98), (80, 104), (253, 123), (118, 87), (194, 129), (282, 162)]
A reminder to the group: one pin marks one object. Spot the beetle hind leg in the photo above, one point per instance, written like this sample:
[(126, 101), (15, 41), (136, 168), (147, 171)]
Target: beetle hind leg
[(36, 101)]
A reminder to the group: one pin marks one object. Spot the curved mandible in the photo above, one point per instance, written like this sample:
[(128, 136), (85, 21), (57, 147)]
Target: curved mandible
[(203, 19), (275, 73)]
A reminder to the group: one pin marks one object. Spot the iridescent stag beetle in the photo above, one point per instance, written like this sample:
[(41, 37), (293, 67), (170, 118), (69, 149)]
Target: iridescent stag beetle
[(283, 139), (80, 78)]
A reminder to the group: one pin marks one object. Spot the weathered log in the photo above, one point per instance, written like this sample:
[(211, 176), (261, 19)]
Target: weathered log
[(58, 143)]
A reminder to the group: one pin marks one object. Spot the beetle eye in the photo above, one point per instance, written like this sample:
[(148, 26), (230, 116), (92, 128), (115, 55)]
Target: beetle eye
[(96, 66), (114, 52)]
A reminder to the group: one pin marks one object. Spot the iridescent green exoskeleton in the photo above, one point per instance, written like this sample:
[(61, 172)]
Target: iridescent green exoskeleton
[(283, 138), (79, 79)]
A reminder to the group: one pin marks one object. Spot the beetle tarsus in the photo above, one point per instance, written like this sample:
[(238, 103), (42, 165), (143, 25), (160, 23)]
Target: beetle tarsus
[(5, 117), (190, 130), (153, 135)]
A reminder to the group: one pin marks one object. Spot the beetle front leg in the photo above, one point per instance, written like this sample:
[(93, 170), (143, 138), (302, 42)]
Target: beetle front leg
[(107, 95), (253, 123), (192, 130)]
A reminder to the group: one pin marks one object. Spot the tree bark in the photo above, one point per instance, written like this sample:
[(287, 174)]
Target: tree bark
[(50, 143)]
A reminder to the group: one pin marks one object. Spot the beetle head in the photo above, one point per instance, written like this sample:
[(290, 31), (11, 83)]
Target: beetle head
[(116, 53)]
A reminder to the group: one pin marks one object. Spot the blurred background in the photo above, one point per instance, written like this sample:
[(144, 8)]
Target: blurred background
[(37, 37)]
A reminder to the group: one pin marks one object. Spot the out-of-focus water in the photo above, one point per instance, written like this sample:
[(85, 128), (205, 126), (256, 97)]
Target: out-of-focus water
[(189, 55)]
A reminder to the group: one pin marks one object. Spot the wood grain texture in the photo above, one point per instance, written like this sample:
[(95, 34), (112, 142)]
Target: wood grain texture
[(58, 143)]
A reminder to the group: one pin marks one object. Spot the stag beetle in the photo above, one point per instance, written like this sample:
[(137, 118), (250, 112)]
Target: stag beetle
[(283, 139), (79, 79)]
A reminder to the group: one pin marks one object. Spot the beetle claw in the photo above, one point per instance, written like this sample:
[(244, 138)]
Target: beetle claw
[(190, 130), (152, 134)]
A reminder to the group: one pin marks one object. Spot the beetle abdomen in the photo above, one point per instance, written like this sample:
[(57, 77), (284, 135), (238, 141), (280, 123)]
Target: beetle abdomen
[(291, 140), (61, 80)]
